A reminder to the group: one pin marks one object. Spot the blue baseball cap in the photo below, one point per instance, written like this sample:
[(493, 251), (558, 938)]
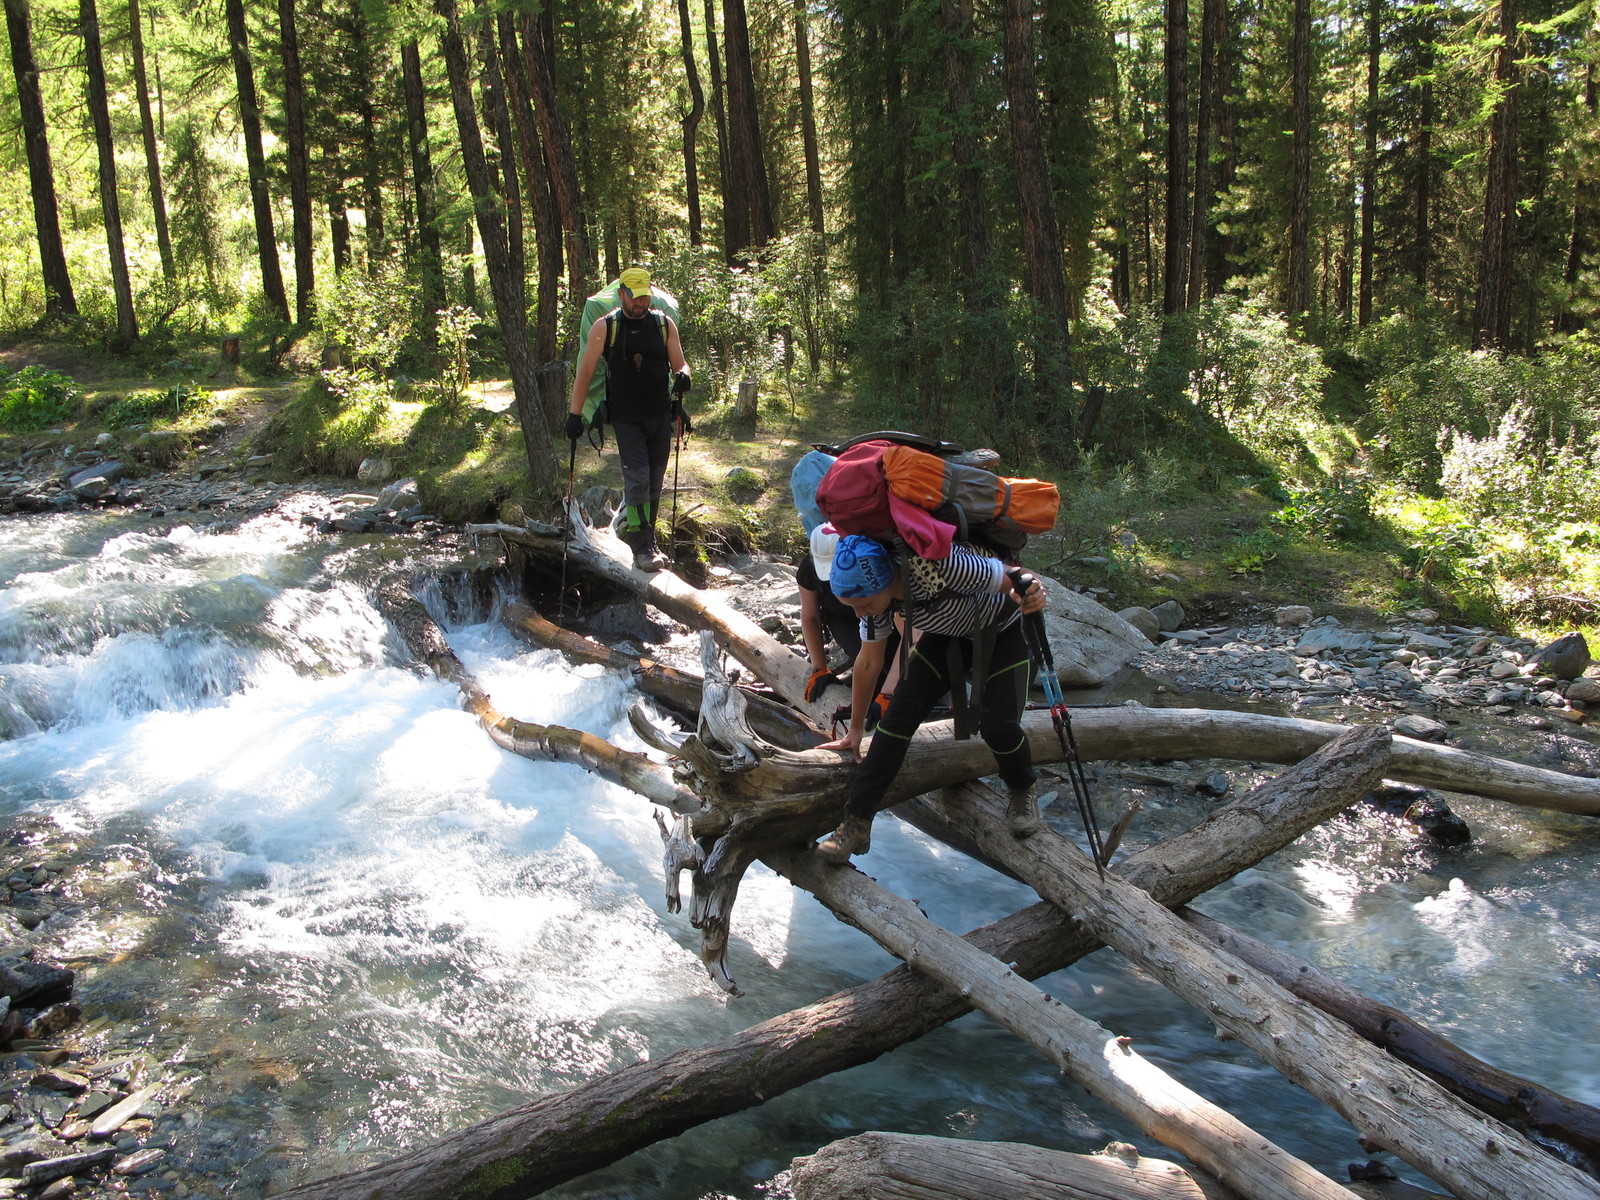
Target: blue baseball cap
[(862, 567)]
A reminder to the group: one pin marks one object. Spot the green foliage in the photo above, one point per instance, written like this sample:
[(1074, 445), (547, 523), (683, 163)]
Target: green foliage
[(1249, 553), (1340, 511), (36, 398), (156, 407), (455, 330), (371, 317), (334, 423)]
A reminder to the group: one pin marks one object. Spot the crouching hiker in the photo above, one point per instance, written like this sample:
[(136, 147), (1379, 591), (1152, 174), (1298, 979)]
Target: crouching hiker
[(960, 607)]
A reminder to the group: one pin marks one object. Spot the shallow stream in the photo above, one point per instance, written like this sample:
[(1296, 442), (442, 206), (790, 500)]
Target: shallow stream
[(366, 926)]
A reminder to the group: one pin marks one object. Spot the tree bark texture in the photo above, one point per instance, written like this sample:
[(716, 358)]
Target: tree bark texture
[(1572, 1126), (503, 162), (1491, 315), (691, 123), (1102, 1062), (1474, 1156), (299, 165), (1041, 236), (256, 160), (1369, 161), (808, 119), (110, 206), (746, 198), (372, 170), (1175, 63), (1213, 14), (541, 197), (59, 299), (554, 1138), (871, 1166), (538, 51), (423, 194), (1297, 297), (506, 286), (147, 133)]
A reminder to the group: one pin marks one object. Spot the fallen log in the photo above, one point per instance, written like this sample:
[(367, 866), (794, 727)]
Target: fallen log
[(1391, 1105), (1571, 1126), (1105, 1064), (556, 1137), (875, 1166), (675, 689), (899, 1166)]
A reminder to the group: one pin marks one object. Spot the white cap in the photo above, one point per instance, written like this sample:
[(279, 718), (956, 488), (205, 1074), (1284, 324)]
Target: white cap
[(824, 538)]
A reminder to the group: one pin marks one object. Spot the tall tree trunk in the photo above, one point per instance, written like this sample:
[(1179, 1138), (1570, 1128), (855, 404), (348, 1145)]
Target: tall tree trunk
[(59, 299), (1228, 136), (541, 198), (152, 156), (1422, 201), (719, 112), (957, 18), (423, 195), (1212, 16), (746, 198), (339, 230), (1297, 291), (691, 124), (299, 165), (377, 239), (503, 164), (1568, 321), (110, 208), (506, 285), (256, 161), (538, 56), (808, 116), (1491, 317), (1369, 164), (1175, 59), (1041, 239)]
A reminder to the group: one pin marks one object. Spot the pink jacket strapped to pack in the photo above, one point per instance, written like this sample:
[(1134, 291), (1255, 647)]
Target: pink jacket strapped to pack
[(855, 497)]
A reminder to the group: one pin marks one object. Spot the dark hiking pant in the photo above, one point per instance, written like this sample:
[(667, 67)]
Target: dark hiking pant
[(926, 679), (644, 448)]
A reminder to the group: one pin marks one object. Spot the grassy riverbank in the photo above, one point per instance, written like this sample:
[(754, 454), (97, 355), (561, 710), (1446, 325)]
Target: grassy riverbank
[(1211, 520)]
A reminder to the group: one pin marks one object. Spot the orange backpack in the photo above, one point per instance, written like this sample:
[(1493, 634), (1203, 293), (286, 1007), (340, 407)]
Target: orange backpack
[(981, 505)]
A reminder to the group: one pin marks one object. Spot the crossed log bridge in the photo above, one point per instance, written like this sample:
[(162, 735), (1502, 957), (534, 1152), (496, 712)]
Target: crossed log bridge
[(1119, 733), (553, 1138)]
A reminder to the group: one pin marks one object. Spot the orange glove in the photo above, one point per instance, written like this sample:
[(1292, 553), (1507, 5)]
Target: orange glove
[(818, 683), (876, 710)]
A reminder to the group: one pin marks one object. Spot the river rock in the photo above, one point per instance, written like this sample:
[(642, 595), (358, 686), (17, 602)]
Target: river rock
[(1091, 643), (1566, 658), (374, 470), (1331, 639), (1214, 784), (1171, 615), (1424, 729), (49, 1169), (1292, 616), (1584, 691), (401, 494), (32, 984), (1142, 619)]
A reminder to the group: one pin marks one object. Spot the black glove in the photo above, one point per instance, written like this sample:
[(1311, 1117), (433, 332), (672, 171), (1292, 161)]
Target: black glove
[(876, 711), (818, 683), (1023, 581), (681, 383), (574, 427), (680, 415)]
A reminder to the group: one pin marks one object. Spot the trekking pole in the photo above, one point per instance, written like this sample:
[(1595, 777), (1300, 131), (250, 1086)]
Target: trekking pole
[(1039, 646), (566, 530), (677, 444)]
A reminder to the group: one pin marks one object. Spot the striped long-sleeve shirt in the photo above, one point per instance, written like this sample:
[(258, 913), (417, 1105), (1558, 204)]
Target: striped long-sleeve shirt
[(958, 595)]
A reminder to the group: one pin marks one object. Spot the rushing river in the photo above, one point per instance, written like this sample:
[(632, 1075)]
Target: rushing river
[(367, 926)]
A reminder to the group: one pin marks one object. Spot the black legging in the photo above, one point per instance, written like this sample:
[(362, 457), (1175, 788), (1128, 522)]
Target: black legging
[(926, 679)]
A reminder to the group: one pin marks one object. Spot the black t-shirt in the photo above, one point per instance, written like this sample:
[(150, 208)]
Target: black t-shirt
[(837, 616)]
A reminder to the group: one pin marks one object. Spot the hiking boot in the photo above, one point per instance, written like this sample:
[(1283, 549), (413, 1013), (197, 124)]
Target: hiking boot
[(854, 836), (1022, 812), (649, 558)]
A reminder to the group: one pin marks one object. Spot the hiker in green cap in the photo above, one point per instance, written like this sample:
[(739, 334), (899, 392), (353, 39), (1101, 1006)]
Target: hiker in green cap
[(646, 379)]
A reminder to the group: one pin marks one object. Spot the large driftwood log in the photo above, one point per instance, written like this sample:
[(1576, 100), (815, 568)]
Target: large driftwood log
[(1572, 1126), (1476, 1156), (899, 1166), (556, 1137), (1102, 1062)]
